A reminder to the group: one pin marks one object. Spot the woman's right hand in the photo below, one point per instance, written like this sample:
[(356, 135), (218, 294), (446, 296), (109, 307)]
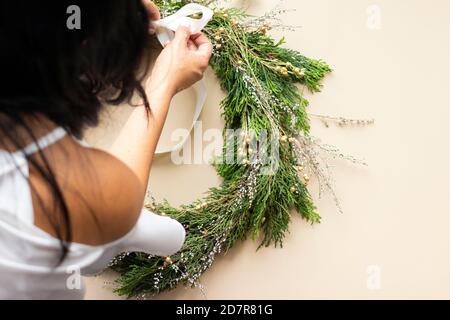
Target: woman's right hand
[(182, 62)]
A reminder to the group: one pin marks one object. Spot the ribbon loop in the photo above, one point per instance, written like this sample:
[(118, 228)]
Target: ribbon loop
[(182, 18)]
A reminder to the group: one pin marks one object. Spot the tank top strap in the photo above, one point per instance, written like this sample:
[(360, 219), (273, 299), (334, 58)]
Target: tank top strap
[(44, 142), (11, 161)]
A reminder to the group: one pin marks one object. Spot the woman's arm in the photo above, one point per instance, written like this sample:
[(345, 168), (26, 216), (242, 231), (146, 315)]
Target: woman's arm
[(182, 63), (137, 141)]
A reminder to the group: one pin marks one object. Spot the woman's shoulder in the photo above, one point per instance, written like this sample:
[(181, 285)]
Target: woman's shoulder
[(102, 194)]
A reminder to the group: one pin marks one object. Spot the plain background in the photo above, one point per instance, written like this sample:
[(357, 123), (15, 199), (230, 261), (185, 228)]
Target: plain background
[(396, 221)]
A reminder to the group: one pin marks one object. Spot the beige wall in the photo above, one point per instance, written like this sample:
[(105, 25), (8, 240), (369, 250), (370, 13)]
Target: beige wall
[(397, 214)]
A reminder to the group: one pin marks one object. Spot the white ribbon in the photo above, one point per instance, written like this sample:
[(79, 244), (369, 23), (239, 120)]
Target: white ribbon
[(165, 32)]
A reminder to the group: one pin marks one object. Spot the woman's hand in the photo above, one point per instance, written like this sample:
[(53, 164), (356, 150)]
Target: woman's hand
[(182, 63)]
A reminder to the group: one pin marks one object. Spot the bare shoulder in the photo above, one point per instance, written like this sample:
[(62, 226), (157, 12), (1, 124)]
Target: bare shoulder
[(103, 195)]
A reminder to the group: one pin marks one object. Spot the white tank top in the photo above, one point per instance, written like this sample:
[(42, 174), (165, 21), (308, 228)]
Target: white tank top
[(28, 254)]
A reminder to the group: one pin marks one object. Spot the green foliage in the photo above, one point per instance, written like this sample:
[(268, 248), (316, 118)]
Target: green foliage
[(224, 217)]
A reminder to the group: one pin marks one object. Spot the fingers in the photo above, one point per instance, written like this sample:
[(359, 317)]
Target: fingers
[(152, 10), (153, 14), (191, 45), (204, 46), (182, 35), (199, 38)]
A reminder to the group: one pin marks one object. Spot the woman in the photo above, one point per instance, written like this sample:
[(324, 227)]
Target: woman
[(66, 208)]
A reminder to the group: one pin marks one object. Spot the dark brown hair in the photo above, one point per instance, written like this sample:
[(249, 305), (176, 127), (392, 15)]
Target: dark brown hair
[(67, 75)]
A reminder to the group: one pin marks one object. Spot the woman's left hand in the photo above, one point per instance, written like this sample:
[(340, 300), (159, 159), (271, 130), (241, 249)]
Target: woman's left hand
[(153, 13)]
